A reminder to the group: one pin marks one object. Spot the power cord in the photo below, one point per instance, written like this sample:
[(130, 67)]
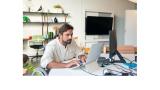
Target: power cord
[(131, 61), (131, 71), (89, 72), (111, 72), (124, 73), (122, 68)]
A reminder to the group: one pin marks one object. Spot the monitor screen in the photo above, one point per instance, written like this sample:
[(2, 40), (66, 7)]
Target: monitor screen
[(96, 25)]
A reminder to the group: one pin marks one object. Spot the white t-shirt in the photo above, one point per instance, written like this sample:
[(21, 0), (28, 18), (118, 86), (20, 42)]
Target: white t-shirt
[(54, 50)]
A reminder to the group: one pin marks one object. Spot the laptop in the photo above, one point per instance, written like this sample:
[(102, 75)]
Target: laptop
[(95, 52)]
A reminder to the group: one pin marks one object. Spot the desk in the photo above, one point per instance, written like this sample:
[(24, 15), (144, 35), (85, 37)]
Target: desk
[(92, 69), (87, 70), (67, 72)]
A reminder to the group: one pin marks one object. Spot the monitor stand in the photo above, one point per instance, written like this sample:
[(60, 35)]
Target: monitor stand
[(112, 54), (110, 60)]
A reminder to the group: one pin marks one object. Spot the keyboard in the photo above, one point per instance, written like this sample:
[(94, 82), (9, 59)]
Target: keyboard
[(78, 66)]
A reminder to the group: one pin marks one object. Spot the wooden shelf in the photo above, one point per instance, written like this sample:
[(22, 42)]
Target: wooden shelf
[(46, 13), (44, 19), (44, 22)]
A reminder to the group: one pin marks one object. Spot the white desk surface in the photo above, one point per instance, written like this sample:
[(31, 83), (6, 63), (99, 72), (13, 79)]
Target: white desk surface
[(67, 72), (92, 68)]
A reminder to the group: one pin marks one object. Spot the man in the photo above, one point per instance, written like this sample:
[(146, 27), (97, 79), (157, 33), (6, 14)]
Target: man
[(62, 49)]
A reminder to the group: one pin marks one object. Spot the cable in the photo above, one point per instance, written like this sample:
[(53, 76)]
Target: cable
[(111, 72), (122, 68), (129, 72), (89, 72), (131, 60)]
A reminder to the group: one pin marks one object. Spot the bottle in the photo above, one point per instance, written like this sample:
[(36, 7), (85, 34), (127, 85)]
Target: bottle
[(104, 49)]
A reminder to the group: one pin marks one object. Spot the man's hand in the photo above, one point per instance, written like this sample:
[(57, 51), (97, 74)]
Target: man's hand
[(72, 64), (82, 58)]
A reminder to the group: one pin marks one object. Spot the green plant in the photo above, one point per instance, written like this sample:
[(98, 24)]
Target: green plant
[(57, 6), (26, 19)]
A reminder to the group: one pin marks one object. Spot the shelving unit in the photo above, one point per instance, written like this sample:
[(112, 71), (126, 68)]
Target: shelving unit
[(44, 19), (43, 22), (45, 15)]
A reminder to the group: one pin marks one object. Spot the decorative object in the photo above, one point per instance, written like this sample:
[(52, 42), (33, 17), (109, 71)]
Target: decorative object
[(58, 7), (55, 20), (26, 19), (50, 35), (40, 8)]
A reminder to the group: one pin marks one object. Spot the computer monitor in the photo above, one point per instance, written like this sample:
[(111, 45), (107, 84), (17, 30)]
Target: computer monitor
[(112, 42), (112, 52), (113, 48)]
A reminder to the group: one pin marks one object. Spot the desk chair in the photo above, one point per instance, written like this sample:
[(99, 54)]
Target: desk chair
[(39, 71), (36, 43)]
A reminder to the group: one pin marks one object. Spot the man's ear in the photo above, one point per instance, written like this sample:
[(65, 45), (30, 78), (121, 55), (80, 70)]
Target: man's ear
[(59, 35)]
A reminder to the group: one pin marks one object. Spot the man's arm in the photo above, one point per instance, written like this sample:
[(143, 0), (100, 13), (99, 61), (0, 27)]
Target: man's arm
[(79, 53), (55, 64)]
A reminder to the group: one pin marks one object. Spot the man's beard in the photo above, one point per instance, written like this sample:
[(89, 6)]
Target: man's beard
[(67, 42)]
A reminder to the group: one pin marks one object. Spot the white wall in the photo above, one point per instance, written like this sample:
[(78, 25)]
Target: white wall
[(76, 9), (117, 7), (131, 27)]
